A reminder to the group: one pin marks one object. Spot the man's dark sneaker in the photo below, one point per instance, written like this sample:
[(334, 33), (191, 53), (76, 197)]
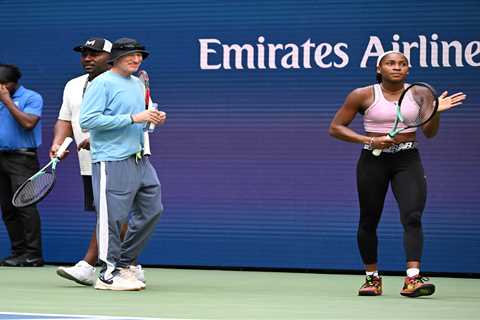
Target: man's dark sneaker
[(416, 287), (23, 261), (371, 287)]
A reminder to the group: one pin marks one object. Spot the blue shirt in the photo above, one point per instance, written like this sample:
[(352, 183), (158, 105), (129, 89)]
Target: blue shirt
[(106, 113), (12, 134)]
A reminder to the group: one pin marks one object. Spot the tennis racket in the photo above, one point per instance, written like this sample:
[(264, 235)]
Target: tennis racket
[(41, 183), (149, 127), (424, 97), (143, 76)]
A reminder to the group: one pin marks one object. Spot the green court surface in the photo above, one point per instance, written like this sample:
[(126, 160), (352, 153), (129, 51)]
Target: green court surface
[(206, 294)]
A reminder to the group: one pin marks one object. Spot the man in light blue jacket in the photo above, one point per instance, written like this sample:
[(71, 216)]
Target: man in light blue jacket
[(122, 177)]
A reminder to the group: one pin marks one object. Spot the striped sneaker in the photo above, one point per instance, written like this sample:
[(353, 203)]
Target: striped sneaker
[(416, 287), (371, 287)]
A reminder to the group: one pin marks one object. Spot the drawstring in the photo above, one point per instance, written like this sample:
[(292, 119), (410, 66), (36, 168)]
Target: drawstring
[(138, 156)]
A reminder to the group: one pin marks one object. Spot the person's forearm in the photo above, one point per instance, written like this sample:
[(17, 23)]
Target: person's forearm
[(27, 121), (346, 134), (62, 130), (98, 121), (430, 129)]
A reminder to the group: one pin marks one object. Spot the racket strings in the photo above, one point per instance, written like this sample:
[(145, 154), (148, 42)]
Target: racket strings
[(426, 108), (425, 102), (34, 189)]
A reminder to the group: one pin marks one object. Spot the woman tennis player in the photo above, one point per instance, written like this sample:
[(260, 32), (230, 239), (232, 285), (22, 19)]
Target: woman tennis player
[(399, 164)]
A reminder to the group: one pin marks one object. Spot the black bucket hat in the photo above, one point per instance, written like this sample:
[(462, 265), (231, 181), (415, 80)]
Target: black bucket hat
[(124, 46)]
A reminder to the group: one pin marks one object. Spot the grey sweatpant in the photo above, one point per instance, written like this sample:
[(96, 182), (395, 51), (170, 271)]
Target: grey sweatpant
[(119, 187)]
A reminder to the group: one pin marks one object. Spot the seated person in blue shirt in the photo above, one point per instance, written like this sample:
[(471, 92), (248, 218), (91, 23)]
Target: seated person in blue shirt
[(20, 136)]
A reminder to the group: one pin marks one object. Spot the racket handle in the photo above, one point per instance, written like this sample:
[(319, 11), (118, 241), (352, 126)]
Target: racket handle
[(146, 144), (63, 147), (377, 152), (150, 127)]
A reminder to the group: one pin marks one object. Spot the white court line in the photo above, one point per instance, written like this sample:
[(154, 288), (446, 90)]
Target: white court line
[(44, 316)]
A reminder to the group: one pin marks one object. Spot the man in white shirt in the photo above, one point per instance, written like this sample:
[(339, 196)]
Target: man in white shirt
[(94, 57)]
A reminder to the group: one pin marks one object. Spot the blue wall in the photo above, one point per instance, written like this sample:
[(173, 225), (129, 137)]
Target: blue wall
[(250, 176)]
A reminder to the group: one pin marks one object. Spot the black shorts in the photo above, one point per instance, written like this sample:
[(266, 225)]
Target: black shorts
[(88, 193)]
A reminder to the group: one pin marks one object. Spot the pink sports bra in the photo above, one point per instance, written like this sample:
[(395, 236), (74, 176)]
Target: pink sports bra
[(380, 116)]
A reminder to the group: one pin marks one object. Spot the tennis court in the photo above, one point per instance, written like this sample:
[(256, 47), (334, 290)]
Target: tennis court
[(208, 294)]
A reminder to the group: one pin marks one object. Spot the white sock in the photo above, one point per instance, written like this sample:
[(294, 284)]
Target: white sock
[(372, 273), (413, 272)]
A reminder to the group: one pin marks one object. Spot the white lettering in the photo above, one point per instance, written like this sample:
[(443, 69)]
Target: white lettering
[(470, 53), (306, 53), (341, 54), (272, 56), (238, 56), (292, 55), (395, 44), (406, 50), (204, 51), (261, 53), (376, 44), (425, 51), (434, 51), (322, 51), (446, 53)]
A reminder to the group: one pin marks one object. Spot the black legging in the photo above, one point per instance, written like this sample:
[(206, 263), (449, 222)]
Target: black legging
[(404, 171)]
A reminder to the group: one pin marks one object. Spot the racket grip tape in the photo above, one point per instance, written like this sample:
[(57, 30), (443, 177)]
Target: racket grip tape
[(377, 152), (63, 147), (149, 126)]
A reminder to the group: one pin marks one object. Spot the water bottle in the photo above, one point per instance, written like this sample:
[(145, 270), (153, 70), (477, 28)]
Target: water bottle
[(149, 126)]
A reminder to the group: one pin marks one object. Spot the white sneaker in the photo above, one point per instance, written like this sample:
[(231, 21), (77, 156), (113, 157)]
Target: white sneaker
[(138, 272), (81, 273), (119, 283), (129, 274)]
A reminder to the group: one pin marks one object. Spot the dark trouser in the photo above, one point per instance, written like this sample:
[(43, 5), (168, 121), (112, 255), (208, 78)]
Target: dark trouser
[(88, 202), (23, 224), (404, 171)]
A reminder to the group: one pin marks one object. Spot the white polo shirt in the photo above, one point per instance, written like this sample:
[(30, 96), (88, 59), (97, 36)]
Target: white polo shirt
[(70, 111)]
